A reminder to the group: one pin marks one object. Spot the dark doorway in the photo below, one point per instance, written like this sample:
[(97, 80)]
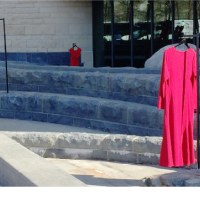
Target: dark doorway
[(127, 33)]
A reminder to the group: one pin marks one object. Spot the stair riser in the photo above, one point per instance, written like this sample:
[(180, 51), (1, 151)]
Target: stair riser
[(117, 112), (124, 86), (143, 99), (114, 117), (80, 122)]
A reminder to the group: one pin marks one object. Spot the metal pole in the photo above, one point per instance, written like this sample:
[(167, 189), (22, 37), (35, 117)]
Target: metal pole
[(112, 33), (173, 18), (5, 54), (152, 25), (195, 21), (198, 133), (132, 38)]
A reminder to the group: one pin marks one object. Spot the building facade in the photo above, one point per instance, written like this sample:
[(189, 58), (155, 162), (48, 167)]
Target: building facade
[(110, 33), (43, 31), (127, 33)]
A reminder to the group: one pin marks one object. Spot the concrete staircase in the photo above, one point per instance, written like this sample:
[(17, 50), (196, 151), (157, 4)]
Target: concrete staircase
[(119, 100)]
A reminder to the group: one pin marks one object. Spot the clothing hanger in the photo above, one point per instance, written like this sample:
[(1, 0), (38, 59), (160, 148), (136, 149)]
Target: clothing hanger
[(184, 41), (74, 45)]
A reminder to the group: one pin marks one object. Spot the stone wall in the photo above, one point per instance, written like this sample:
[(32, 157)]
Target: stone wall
[(47, 26)]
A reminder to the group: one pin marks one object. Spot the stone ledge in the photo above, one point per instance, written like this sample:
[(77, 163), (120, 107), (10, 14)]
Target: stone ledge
[(75, 145), (181, 178), (96, 154), (73, 140), (21, 167), (89, 112), (29, 66), (86, 146), (77, 140)]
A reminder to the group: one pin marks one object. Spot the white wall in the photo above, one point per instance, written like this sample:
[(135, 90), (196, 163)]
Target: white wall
[(47, 26)]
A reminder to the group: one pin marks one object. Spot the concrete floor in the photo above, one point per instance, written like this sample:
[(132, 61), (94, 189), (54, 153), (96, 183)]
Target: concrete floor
[(14, 125), (104, 173), (92, 173)]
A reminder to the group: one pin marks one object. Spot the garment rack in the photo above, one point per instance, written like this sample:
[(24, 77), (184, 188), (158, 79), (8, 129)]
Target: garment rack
[(4, 30), (197, 112)]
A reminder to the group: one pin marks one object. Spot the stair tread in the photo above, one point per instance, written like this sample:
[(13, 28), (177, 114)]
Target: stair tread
[(124, 103), (24, 65)]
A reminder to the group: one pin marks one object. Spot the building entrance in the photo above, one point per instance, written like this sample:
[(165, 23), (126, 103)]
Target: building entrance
[(127, 33)]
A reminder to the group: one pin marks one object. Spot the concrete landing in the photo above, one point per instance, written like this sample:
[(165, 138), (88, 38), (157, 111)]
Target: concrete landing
[(33, 126), (22, 168), (113, 174)]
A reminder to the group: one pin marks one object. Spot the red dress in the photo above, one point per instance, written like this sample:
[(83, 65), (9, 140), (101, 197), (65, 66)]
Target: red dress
[(177, 96), (75, 54)]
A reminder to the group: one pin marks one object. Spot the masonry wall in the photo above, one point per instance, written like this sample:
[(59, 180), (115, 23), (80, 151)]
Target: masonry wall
[(47, 27)]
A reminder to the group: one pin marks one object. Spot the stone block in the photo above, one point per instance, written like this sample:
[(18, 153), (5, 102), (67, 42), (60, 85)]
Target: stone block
[(40, 30), (23, 115), (14, 102), (27, 88), (9, 114), (147, 144), (39, 58), (75, 154), (52, 89), (59, 119), (80, 140), (97, 155), (22, 56), (34, 43), (39, 117), (18, 43), (34, 139), (18, 76), (193, 182), (122, 156), (148, 158), (61, 29), (50, 105), (143, 115), (112, 111), (84, 123), (86, 56), (82, 92), (79, 29), (12, 56), (35, 103), (14, 30), (104, 126), (102, 81), (82, 108), (85, 80), (40, 78), (116, 82), (52, 44), (117, 142)]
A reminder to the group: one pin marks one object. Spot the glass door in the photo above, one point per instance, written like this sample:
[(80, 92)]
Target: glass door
[(107, 35), (183, 23), (122, 38), (162, 24), (141, 32)]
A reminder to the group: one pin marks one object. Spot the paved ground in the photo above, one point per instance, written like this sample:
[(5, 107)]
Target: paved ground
[(97, 173), (103, 173), (30, 126)]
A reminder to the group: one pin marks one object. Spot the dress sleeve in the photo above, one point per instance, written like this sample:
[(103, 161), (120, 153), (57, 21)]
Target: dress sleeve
[(163, 82), (79, 52), (70, 50), (194, 81)]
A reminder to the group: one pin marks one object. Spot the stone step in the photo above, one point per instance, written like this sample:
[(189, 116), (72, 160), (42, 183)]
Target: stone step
[(95, 113), (26, 65), (131, 87)]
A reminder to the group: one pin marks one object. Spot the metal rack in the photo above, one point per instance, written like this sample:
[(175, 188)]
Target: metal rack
[(5, 53), (197, 111)]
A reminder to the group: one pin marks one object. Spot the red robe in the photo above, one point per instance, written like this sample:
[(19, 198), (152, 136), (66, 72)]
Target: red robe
[(75, 54), (178, 98)]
